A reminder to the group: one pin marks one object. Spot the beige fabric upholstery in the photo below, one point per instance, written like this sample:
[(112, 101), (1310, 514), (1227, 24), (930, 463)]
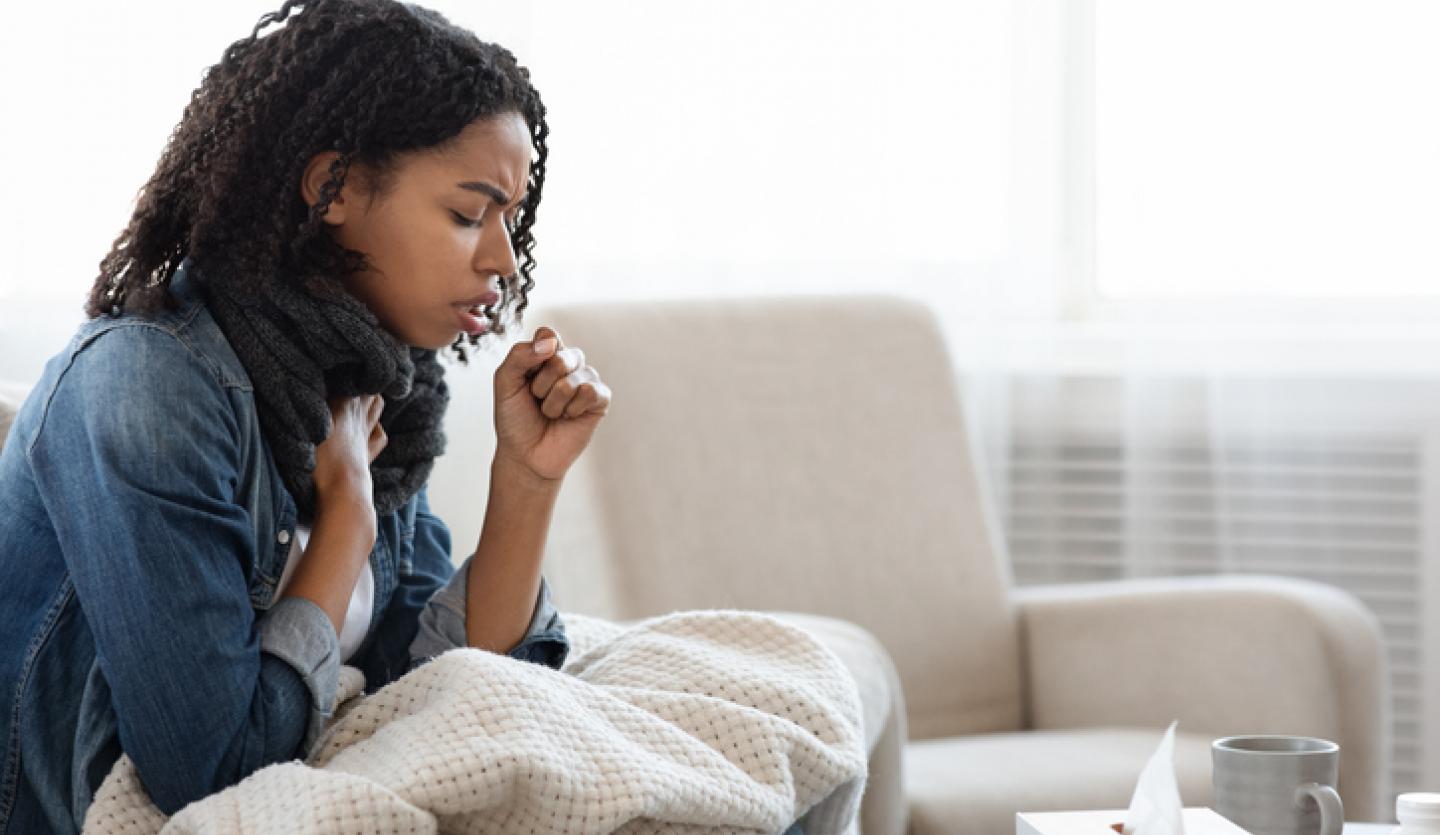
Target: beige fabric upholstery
[(809, 454), (679, 503), (975, 784), (1224, 655)]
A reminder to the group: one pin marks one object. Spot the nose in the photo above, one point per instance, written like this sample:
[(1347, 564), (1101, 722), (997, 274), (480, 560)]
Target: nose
[(494, 252)]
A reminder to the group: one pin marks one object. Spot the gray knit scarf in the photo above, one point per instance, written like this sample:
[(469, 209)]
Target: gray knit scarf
[(301, 348)]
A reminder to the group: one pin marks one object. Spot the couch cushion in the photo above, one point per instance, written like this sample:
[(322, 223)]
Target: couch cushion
[(974, 785)]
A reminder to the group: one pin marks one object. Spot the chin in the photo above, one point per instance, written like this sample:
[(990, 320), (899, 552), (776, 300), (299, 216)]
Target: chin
[(433, 345), (432, 340)]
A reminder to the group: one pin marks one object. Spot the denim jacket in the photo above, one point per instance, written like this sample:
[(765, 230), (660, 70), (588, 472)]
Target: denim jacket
[(144, 528)]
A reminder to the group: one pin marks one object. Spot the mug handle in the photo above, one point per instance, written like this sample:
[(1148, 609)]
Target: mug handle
[(1332, 811)]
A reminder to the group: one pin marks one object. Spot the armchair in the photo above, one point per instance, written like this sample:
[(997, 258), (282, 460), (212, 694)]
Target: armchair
[(808, 455)]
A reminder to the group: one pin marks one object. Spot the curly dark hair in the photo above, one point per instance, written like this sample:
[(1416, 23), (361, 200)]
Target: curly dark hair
[(370, 79)]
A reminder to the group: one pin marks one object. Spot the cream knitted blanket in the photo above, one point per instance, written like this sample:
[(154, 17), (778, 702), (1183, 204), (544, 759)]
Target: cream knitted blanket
[(693, 722)]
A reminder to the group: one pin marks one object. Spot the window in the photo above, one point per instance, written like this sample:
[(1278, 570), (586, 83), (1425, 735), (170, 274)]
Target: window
[(1283, 149)]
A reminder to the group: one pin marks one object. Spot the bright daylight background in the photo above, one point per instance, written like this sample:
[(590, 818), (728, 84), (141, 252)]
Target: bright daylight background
[(1185, 253)]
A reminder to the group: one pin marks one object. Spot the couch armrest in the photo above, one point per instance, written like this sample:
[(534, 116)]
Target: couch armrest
[(1222, 654)]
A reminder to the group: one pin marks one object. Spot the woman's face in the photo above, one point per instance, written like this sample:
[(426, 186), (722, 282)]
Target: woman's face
[(437, 239)]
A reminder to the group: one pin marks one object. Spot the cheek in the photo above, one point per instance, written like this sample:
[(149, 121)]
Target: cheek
[(427, 240), (395, 240)]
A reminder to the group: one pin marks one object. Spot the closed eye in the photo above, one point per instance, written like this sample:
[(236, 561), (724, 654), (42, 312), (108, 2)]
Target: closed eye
[(467, 222)]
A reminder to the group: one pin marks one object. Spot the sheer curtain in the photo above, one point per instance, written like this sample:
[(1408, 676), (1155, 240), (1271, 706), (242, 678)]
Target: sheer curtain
[(1244, 378)]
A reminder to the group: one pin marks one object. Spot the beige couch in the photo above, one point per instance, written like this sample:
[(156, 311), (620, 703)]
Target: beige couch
[(809, 455)]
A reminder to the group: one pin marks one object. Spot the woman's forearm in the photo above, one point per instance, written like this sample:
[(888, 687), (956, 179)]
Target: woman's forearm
[(341, 538), (504, 577)]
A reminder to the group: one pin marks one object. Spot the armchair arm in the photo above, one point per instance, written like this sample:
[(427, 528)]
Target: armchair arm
[(1224, 655)]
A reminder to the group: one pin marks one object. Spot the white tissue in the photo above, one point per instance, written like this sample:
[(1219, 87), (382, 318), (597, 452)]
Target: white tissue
[(1155, 807)]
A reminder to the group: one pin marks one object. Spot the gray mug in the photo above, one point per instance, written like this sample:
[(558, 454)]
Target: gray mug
[(1278, 785)]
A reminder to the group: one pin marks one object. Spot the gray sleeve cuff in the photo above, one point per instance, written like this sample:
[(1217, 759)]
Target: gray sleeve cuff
[(298, 632), (442, 622)]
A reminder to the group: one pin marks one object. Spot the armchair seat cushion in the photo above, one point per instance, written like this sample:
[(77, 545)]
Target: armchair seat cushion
[(976, 784)]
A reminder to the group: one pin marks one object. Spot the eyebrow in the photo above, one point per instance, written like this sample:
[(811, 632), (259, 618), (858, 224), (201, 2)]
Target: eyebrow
[(493, 192)]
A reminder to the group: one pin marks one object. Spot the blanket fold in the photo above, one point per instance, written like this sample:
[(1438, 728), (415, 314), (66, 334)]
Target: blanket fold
[(692, 722)]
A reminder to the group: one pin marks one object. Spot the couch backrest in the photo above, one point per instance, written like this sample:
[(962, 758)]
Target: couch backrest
[(801, 454)]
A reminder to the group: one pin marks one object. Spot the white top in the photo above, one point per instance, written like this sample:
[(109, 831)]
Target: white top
[(362, 597)]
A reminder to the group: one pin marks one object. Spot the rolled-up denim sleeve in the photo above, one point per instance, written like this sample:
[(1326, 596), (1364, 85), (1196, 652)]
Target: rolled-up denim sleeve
[(442, 626), (426, 614), (298, 632), (441, 623), (138, 459), (423, 566)]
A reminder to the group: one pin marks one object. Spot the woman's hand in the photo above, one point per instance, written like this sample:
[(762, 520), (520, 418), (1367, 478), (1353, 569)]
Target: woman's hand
[(342, 460), (547, 406), (343, 532)]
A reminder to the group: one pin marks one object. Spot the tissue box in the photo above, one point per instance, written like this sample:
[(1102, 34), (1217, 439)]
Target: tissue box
[(1198, 821)]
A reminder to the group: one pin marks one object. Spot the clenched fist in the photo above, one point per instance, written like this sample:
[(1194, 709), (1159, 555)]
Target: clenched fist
[(548, 402)]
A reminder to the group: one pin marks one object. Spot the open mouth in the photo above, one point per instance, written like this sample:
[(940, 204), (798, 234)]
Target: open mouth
[(472, 319)]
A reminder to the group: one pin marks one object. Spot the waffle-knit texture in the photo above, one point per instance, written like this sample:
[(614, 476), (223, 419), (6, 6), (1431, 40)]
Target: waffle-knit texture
[(715, 721)]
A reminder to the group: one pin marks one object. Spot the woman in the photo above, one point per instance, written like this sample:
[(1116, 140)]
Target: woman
[(215, 495)]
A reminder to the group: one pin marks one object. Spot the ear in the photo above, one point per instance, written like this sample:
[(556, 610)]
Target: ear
[(317, 174)]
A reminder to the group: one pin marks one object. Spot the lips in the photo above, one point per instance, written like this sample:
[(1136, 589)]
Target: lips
[(471, 320), (469, 315), (487, 299)]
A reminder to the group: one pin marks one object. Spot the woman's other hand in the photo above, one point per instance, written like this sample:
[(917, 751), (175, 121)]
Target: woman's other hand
[(547, 405), (344, 529), (342, 460)]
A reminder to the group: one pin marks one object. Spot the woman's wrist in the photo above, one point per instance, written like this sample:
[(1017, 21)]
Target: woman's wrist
[(508, 473), (351, 507), (505, 569)]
